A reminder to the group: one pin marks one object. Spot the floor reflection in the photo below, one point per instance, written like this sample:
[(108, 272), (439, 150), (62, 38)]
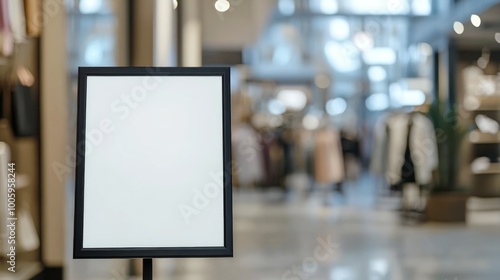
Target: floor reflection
[(357, 237)]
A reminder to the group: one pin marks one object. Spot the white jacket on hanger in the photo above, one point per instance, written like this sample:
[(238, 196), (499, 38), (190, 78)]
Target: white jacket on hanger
[(423, 147)]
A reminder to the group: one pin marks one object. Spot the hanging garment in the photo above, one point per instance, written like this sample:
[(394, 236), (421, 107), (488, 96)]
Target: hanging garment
[(5, 29), (351, 154), (17, 20), (34, 20), (350, 145), (265, 144), (286, 143), (408, 167), (303, 151), (3, 103), (378, 164), (276, 154), (247, 155), (328, 160), (421, 143), (23, 112)]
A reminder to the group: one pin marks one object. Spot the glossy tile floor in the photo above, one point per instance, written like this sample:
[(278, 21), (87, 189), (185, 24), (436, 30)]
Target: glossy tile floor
[(357, 237)]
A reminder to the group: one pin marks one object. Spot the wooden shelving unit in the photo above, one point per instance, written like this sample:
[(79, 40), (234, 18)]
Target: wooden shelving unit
[(486, 181), (493, 168)]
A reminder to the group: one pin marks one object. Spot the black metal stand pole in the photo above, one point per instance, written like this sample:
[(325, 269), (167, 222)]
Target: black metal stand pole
[(147, 269)]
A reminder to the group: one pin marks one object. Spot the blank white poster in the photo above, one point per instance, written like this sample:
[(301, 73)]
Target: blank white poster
[(153, 162)]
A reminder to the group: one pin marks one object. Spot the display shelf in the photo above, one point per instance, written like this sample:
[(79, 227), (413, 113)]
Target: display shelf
[(478, 137), (482, 103), (493, 168), (483, 204)]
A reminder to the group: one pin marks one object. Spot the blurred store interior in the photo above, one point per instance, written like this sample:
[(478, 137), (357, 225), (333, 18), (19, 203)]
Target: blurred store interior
[(368, 128)]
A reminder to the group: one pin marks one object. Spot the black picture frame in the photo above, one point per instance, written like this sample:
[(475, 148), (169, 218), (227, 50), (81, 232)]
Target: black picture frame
[(79, 252)]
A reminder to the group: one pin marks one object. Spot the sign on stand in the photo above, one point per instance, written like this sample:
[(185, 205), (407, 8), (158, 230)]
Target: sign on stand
[(153, 173)]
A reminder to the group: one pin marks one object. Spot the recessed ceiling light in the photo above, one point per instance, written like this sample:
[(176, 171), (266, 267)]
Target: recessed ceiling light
[(476, 20), (458, 27), (293, 99), (380, 56), (363, 40), (222, 5), (339, 29), (377, 73), (377, 102), (336, 106)]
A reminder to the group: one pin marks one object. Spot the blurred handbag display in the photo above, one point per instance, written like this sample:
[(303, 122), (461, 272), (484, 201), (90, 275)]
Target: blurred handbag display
[(23, 111)]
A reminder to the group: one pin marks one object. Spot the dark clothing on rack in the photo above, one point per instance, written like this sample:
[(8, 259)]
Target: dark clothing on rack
[(350, 146), (23, 112), (408, 168)]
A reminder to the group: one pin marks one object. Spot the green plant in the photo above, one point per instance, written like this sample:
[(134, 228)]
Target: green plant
[(450, 133)]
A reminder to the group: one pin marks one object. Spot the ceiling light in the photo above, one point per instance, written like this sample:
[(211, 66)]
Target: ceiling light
[(343, 57), (377, 73), (90, 6), (222, 5), (175, 3), (409, 97), (329, 6), (397, 7), (380, 56), (476, 20), (377, 102), (421, 7), (293, 99), (363, 40), (339, 29), (458, 27), (336, 106)]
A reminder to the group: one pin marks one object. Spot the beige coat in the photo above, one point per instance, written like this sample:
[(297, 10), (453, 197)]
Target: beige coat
[(328, 159)]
